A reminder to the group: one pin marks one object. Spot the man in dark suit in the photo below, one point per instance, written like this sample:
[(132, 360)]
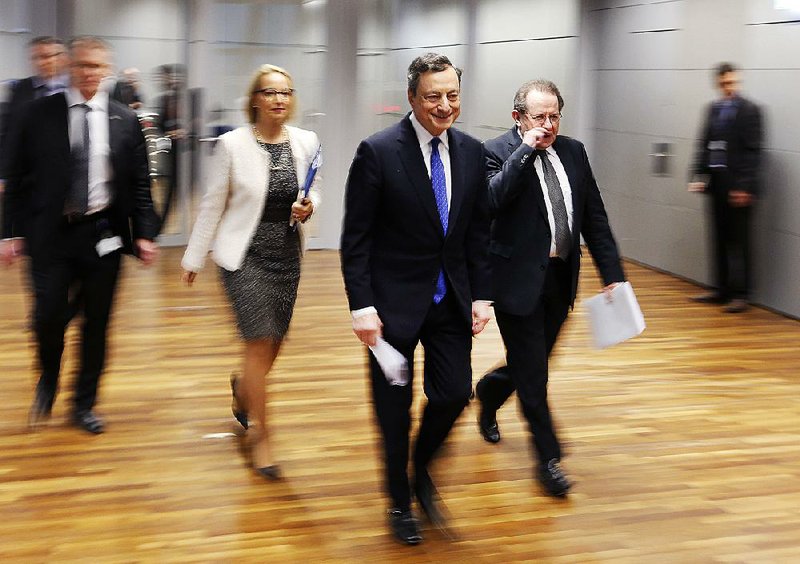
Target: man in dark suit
[(726, 167), (543, 197), (414, 259), (49, 59), (78, 187)]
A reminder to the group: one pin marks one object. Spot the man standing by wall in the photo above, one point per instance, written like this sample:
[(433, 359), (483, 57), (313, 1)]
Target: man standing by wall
[(414, 259), (726, 168), (543, 197), (78, 187)]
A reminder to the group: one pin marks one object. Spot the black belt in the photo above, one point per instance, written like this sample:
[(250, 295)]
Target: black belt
[(79, 218)]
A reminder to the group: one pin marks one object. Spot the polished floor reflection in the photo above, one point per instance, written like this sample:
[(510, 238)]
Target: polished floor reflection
[(684, 443)]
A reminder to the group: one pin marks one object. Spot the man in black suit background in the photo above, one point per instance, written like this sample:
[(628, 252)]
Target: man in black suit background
[(49, 59), (78, 188), (542, 197), (415, 265), (726, 168)]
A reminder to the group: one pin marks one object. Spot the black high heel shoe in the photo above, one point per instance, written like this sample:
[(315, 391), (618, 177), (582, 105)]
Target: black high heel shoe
[(272, 472), (236, 407)]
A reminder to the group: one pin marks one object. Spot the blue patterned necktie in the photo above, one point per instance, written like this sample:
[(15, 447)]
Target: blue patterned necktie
[(439, 184)]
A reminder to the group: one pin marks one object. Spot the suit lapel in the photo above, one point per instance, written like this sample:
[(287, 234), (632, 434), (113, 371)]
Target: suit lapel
[(61, 134), (414, 164), (115, 129), (515, 141), (570, 167), (457, 187)]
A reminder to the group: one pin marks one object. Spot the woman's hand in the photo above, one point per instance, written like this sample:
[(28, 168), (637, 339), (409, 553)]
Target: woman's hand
[(188, 277), (302, 210)]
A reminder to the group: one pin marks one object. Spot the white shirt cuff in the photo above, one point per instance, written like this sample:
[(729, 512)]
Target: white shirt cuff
[(356, 313)]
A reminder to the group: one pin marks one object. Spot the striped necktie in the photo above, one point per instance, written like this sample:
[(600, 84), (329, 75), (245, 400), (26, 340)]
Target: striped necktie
[(562, 236)]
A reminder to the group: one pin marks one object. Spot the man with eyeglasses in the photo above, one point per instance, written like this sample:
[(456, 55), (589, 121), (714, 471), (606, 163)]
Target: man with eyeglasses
[(416, 270), (726, 168), (543, 197)]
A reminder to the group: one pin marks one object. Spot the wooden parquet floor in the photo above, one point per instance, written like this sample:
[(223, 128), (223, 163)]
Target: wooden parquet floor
[(684, 443)]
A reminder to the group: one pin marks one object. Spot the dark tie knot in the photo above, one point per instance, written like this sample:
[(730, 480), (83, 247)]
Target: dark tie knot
[(435, 143)]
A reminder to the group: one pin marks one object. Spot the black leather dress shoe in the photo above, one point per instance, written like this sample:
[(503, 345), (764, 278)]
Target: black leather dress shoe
[(89, 422), (430, 503), (552, 478), (40, 409), (487, 423), (710, 298), (271, 473), (404, 526)]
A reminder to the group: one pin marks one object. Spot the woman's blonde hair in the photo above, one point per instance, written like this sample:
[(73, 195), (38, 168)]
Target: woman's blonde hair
[(255, 84)]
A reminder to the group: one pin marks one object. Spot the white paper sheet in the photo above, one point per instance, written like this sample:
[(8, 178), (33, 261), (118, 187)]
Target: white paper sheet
[(615, 321), (393, 364)]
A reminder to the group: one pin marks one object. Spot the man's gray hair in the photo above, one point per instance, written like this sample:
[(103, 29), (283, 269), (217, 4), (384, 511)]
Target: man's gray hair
[(539, 85), (429, 62), (89, 42)]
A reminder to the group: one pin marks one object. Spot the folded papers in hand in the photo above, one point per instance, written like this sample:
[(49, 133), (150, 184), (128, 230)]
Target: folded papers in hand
[(393, 364), (617, 319)]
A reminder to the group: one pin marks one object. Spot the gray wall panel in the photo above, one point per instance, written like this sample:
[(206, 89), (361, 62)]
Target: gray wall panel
[(123, 18), (777, 271), (653, 87), (499, 79), (503, 20)]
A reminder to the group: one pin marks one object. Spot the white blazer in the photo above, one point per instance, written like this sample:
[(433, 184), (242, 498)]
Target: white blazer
[(237, 182)]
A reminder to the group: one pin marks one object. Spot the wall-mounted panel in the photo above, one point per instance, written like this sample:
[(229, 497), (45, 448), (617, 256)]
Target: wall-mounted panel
[(427, 23), (153, 19), (508, 20)]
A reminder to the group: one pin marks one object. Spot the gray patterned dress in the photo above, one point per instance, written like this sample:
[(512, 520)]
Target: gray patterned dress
[(263, 291)]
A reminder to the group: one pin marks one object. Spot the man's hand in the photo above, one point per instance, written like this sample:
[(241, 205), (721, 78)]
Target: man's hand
[(11, 250), (302, 210), (147, 251), (188, 277), (368, 328), (534, 137), (697, 187), (740, 198), (481, 315), (608, 289)]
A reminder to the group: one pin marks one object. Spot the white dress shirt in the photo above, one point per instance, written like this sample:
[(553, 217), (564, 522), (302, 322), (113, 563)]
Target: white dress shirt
[(424, 137), (100, 172)]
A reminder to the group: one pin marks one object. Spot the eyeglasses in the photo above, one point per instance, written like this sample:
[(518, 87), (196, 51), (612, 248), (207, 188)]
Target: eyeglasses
[(272, 94), (539, 119)]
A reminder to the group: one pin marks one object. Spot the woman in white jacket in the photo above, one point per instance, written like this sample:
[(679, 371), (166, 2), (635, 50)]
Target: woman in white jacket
[(251, 219)]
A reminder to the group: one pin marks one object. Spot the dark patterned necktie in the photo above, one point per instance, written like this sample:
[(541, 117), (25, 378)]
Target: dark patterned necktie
[(439, 183), (77, 201), (562, 235)]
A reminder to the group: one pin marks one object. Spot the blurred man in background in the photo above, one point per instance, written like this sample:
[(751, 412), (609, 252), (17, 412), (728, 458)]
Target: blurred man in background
[(127, 89), (726, 168), (49, 60), (78, 188)]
